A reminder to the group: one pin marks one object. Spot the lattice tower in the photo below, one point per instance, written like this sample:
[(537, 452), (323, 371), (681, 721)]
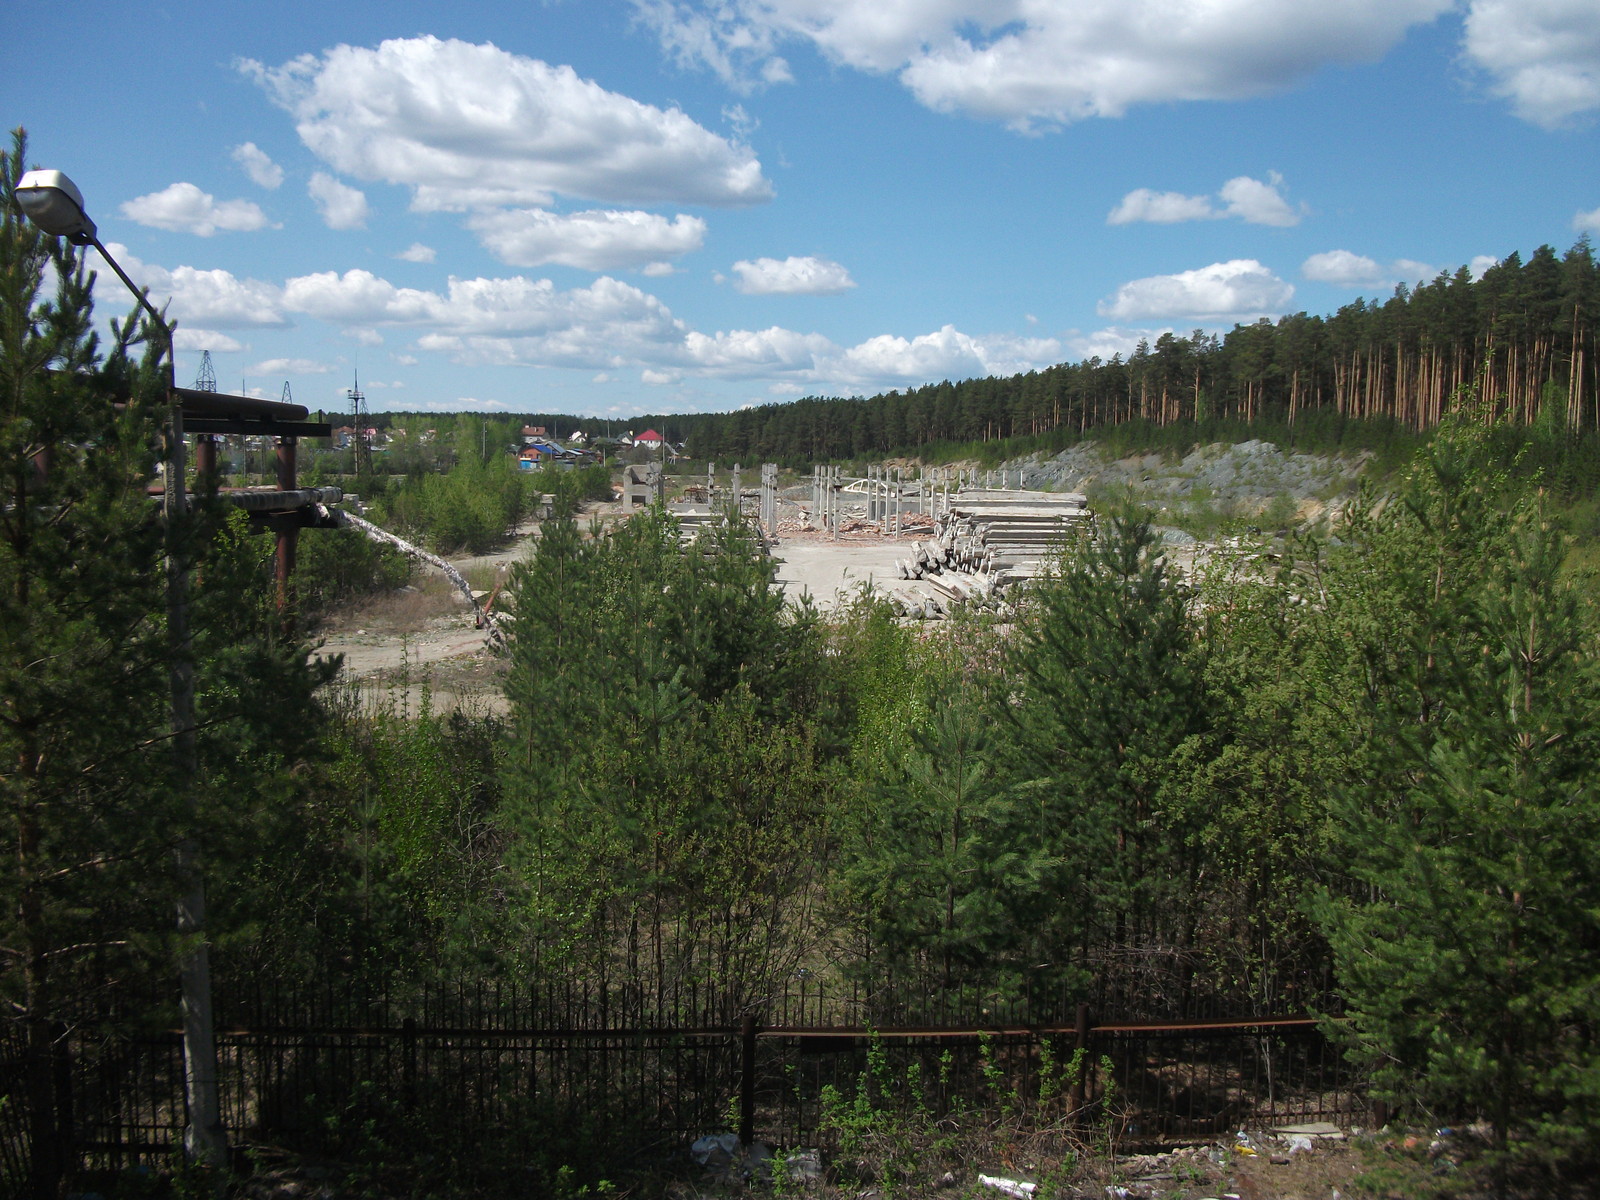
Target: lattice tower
[(358, 420)]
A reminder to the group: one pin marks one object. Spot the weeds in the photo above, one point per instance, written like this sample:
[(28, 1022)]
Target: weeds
[(890, 1135)]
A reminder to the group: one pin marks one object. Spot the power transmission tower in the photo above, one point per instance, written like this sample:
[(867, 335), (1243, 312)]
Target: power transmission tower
[(358, 419), (206, 381)]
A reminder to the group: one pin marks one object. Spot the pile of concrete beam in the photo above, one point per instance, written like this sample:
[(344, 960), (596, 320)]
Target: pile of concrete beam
[(957, 571), (1012, 534), (945, 551), (694, 521), (987, 541)]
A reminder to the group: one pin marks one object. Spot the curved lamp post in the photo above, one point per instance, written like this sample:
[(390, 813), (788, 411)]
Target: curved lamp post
[(54, 204)]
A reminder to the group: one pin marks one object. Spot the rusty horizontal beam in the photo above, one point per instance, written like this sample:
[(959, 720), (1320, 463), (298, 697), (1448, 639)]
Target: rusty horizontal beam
[(223, 406), (1244, 1026)]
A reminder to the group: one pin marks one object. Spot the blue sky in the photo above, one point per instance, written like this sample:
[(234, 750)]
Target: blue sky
[(608, 207)]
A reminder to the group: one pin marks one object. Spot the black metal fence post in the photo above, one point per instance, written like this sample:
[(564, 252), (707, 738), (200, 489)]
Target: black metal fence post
[(747, 1079), (408, 1037), (1080, 1046)]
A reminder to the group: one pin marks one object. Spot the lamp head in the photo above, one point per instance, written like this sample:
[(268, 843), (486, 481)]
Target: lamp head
[(54, 203)]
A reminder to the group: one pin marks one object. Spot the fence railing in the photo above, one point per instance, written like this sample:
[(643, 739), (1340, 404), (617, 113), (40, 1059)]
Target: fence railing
[(301, 1083)]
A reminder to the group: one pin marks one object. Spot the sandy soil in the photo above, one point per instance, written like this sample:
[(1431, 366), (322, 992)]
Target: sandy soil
[(419, 645), (833, 572)]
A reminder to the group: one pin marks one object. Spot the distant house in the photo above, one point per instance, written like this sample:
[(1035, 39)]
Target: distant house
[(577, 438), (538, 453), (650, 440), (534, 433)]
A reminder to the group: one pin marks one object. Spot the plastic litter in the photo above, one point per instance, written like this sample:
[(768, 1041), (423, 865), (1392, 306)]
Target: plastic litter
[(715, 1150), (1299, 1143), (1011, 1187), (1313, 1129), (804, 1165)]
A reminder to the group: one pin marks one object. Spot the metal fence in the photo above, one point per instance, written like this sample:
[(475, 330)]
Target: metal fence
[(306, 1070)]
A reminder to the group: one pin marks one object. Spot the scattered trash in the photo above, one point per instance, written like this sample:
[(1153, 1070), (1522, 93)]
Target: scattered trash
[(1313, 1129), (715, 1151), (1011, 1187), (1300, 1143), (803, 1166)]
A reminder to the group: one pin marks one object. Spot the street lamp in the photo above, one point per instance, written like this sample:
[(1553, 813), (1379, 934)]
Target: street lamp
[(54, 204)]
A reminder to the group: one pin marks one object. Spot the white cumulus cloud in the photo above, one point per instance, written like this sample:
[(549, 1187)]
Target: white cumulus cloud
[(188, 337), (341, 206), (1254, 201), (1036, 63), (1347, 269), (357, 297), (417, 253), (598, 240), (1587, 222), (258, 165), (213, 299), (290, 366), (1342, 267), (1541, 55), (184, 208), (806, 276), (744, 351), (1162, 208), (1410, 271), (1113, 340), (947, 353), (469, 126), (511, 321), (1238, 289)]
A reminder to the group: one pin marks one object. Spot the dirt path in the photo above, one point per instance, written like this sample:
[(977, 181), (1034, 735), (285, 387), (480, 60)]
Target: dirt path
[(420, 642), (420, 646)]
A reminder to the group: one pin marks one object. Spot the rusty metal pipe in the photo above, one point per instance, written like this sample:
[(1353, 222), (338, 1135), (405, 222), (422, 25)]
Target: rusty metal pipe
[(287, 538)]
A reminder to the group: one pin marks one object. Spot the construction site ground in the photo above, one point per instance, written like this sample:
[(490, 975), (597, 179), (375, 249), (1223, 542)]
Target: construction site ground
[(419, 647)]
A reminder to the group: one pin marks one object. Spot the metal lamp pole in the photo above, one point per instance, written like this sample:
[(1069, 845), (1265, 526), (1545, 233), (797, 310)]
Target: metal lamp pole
[(54, 204)]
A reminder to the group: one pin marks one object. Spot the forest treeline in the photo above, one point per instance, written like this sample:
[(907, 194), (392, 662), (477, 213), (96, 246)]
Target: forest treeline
[(1523, 333)]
